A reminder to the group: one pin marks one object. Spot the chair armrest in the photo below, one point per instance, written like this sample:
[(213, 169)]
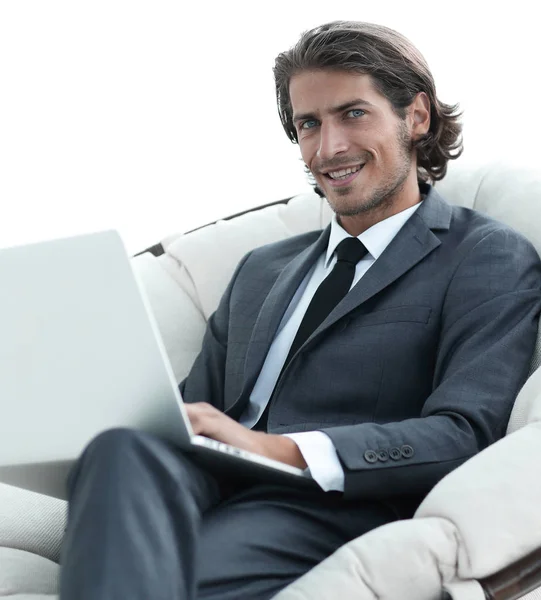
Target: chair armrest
[(493, 499), (410, 559), (32, 522), (516, 580)]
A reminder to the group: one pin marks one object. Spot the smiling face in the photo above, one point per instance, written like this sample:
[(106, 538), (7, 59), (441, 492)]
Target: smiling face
[(356, 147)]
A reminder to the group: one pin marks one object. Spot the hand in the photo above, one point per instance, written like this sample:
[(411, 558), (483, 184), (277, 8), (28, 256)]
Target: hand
[(213, 423)]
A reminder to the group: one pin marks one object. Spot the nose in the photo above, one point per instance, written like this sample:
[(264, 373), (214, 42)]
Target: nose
[(332, 141)]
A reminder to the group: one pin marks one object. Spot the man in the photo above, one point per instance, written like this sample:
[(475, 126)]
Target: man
[(380, 363)]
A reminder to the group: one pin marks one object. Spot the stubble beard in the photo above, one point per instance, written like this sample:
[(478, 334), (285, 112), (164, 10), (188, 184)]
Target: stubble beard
[(383, 197)]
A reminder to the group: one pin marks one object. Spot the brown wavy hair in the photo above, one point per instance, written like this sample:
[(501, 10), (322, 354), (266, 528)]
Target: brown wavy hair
[(398, 71)]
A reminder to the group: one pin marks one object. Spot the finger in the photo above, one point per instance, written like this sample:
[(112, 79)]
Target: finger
[(203, 417), (200, 407), (194, 415)]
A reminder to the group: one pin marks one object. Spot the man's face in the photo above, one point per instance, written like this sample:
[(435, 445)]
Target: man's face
[(357, 148)]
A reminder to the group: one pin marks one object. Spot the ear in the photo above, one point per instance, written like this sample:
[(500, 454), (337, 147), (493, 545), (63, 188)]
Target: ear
[(419, 113)]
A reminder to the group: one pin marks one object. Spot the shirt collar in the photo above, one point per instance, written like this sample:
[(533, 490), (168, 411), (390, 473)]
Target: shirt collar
[(376, 238)]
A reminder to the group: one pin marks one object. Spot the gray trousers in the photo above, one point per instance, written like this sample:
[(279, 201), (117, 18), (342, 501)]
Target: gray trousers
[(146, 523)]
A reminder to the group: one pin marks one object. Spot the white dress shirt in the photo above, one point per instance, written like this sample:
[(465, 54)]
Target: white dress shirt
[(316, 447)]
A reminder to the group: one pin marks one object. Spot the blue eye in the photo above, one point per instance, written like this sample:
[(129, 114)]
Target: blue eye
[(309, 124), (356, 112)]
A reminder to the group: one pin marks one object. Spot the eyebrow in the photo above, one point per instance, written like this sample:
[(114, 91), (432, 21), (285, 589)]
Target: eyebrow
[(334, 110)]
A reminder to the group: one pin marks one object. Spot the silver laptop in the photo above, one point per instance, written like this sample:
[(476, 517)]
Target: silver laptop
[(80, 352)]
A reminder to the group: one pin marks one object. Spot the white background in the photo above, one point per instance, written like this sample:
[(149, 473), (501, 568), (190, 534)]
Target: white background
[(154, 117)]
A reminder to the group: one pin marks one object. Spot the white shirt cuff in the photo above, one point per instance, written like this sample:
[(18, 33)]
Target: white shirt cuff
[(320, 455)]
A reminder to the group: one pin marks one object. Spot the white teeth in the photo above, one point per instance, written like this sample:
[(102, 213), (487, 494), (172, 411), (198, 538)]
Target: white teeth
[(344, 172)]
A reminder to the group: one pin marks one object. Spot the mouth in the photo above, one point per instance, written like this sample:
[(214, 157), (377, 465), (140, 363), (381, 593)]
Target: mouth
[(343, 177)]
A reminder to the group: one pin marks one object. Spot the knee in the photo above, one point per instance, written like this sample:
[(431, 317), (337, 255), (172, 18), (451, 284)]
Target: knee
[(109, 451), (110, 447)]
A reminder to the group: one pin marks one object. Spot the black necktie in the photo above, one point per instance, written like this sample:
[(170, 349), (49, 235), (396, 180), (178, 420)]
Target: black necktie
[(329, 293), (331, 290)]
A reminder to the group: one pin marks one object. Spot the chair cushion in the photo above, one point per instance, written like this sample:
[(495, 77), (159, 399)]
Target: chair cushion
[(527, 407), (211, 254), (26, 573), (31, 522), (509, 194), (410, 560), (493, 500), (179, 320)]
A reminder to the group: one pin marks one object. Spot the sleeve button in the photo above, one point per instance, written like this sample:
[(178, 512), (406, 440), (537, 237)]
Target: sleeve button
[(407, 451), (395, 453), (383, 455), (370, 456)]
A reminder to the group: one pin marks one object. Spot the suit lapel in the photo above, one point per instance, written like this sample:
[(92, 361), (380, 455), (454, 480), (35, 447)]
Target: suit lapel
[(412, 244), (274, 307)]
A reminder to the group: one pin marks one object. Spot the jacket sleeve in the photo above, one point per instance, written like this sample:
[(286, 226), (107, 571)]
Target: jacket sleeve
[(205, 382), (489, 326)]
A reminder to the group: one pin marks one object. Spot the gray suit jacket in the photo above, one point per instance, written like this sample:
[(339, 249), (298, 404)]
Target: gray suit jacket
[(414, 372)]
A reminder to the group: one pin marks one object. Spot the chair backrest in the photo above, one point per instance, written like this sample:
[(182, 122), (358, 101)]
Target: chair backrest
[(508, 194)]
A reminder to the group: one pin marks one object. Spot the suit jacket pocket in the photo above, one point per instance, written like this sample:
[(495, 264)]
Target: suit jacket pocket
[(397, 314)]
